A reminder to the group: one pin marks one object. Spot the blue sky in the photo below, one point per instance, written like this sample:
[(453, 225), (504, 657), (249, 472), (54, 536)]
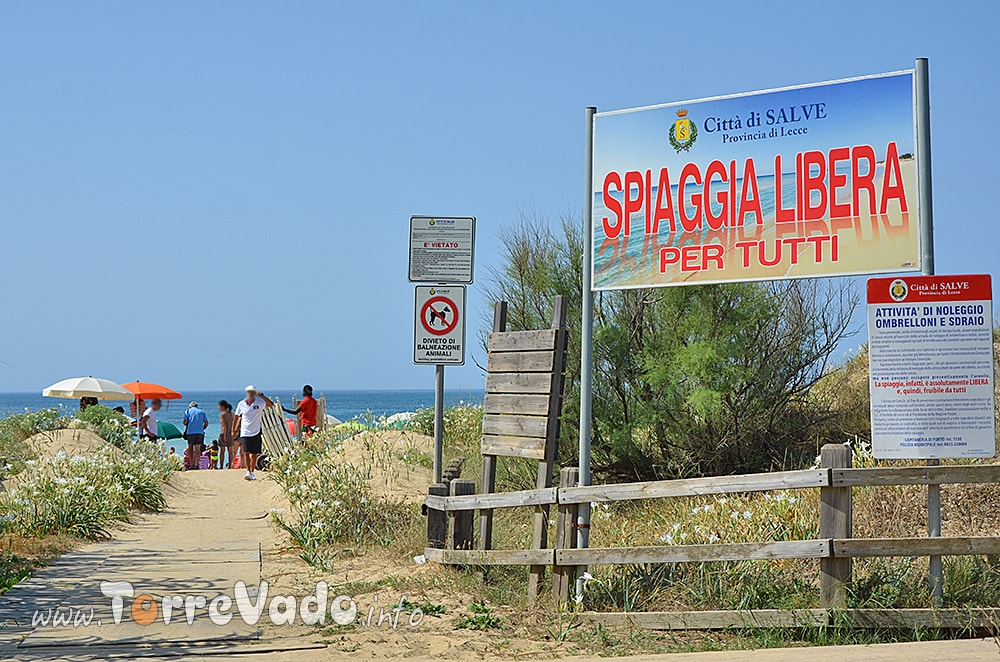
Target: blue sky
[(209, 193)]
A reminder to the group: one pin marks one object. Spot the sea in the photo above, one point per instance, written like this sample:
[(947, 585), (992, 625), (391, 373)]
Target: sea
[(344, 405)]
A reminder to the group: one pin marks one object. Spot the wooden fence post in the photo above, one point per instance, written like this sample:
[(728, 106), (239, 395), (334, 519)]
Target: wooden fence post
[(564, 577), (460, 531), (834, 522), (437, 520), (540, 535), (490, 461)]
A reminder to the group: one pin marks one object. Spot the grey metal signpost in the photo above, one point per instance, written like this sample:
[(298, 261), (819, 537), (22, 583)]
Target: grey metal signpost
[(586, 343), (926, 207)]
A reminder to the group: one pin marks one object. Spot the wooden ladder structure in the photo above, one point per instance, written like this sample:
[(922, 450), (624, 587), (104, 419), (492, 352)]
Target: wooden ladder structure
[(524, 394)]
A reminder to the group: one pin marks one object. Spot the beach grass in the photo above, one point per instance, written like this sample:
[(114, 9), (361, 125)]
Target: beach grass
[(364, 522), (52, 502)]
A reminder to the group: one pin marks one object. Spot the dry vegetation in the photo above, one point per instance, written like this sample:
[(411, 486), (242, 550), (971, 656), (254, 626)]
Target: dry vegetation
[(386, 472)]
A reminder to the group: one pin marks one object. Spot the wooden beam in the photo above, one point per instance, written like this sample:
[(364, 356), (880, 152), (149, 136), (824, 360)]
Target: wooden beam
[(564, 577), (490, 459), (540, 534), (460, 531), (713, 620), (909, 619), (519, 383), (869, 547), (744, 551), (490, 557), (781, 480), (513, 446), (498, 500), (520, 361), (515, 426), (529, 405), (979, 473), (903, 619), (522, 341), (835, 516)]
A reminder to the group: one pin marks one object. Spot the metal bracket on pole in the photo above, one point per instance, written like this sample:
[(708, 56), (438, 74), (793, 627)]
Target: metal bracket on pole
[(922, 100), (586, 344)]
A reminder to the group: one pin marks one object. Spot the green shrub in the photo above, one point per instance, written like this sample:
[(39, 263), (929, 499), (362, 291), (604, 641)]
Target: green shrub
[(333, 504), (85, 495), (16, 429), (110, 425), (463, 424)]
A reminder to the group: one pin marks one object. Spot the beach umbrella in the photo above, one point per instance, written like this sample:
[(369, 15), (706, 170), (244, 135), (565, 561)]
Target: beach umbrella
[(166, 430), (149, 391), (88, 387)]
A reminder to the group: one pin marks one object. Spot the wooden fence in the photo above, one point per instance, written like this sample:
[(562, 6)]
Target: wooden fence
[(834, 549)]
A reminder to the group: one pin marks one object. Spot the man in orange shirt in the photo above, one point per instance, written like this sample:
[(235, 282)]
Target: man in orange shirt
[(307, 410)]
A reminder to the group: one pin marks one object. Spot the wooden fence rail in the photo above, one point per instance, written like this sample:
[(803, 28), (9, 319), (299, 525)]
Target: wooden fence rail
[(835, 548)]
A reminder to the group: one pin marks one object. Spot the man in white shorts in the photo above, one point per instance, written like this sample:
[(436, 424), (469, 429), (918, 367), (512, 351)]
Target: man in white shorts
[(247, 426)]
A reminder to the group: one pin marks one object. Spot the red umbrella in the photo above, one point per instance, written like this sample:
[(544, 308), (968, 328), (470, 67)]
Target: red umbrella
[(148, 391)]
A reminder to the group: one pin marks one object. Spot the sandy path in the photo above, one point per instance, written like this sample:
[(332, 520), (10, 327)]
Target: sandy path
[(211, 536)]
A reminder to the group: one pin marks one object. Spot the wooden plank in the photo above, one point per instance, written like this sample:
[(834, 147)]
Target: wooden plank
[(527, 405), (530, 382), (490, 557), (834, 522), (540, 534), (781, 480), (522, 341), (713, 620), (564, 577), (513, 447), (460, 531), (490, 459), (981, 473), (520, 361), (515, 426), (904, 619), (499, 500), (437, 520), (749, 551), (916, 547), (909, 619)]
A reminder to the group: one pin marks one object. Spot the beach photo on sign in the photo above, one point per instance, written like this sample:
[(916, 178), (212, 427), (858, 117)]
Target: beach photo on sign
[(783, 184)]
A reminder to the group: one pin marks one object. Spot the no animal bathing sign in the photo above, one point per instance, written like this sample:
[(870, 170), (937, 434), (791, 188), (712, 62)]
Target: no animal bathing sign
[(439, 328)]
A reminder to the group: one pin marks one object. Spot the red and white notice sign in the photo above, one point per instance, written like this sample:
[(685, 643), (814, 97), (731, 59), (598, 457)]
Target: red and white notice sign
[(930, 354)]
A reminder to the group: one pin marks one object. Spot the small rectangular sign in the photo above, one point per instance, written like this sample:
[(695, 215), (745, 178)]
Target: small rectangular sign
[(930, 359), (439, 327), (442, 249)]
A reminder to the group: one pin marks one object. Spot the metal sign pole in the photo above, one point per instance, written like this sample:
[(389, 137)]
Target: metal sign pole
[(586, 343), (926, 207), (438, 422)]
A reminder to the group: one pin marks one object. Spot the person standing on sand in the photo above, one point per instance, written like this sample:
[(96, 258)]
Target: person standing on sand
[(307, 410), (195, 424), (226, 439), (147, 424), (248, 421)]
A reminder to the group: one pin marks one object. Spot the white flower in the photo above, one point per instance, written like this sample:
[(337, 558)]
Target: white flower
[(713, 538), (747, 514), (586, 577)]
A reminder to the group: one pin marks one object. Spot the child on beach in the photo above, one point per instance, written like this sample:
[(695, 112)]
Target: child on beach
[(213, 455)]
